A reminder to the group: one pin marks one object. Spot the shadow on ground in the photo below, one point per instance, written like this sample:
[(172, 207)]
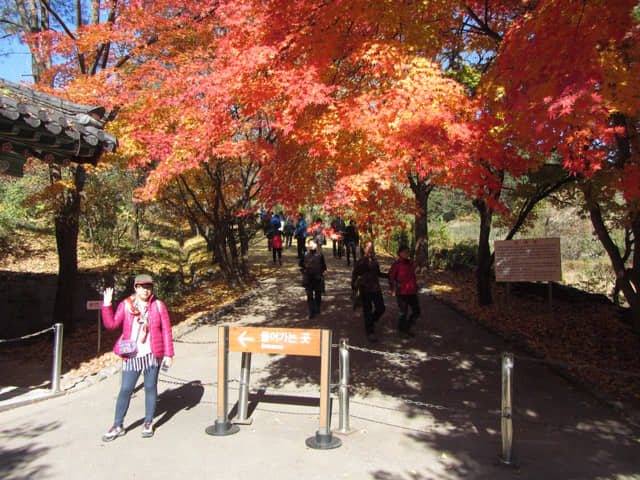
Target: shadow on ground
[(450, 374), (22, 463)]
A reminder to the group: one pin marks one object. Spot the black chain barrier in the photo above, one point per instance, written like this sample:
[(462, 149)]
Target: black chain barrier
[(25, 337)]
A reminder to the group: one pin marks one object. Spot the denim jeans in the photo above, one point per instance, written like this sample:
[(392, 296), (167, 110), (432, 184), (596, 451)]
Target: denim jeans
[(351, 250), (129, 380)]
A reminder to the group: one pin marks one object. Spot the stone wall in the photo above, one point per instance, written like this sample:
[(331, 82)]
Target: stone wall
[(27, 300)]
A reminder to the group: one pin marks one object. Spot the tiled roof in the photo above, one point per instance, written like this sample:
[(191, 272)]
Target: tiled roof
[(54, 130)]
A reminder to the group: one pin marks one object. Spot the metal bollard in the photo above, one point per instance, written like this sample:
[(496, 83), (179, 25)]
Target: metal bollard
[(243, 396), (57, 357), (343, 387), (507, 409)]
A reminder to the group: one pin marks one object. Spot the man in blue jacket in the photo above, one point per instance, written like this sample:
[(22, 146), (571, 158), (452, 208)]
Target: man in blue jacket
[(301, 235)]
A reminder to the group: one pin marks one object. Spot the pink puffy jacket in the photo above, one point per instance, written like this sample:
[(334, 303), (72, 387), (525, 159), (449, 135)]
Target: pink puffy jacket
[(159, 326)]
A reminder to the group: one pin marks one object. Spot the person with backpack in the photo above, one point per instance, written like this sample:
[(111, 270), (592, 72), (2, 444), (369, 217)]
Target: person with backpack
[(364, 280), (301, 235), (404, 286), (275, 238), (314, 269), (319, 234)]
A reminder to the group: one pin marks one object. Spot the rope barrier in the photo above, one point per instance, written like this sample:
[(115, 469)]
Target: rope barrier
[(25, 337), (488, 357), (196, 342)]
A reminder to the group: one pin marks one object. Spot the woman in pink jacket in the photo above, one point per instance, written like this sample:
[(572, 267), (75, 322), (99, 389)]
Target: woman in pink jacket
[(404, 286), (144, 345)]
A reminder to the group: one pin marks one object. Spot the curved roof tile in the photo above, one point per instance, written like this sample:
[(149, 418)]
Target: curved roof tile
[(50, 128)]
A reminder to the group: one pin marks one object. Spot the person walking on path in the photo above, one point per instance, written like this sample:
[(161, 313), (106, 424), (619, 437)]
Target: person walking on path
[(365, 278), (314, 269), (337, 234), (351, 240), (289, 229), (301, 235), (145, 343), (275, 237), (364, 237), (404, 286), (319, 233)]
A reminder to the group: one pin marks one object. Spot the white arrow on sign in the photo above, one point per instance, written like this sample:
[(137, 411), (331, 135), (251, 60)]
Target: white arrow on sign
[(242, 338)]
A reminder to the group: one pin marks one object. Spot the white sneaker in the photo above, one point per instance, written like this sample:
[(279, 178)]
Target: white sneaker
[(147, 430), (113, 433)]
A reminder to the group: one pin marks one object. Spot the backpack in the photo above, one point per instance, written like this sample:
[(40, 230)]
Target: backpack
[(319, 237), (313, 265)]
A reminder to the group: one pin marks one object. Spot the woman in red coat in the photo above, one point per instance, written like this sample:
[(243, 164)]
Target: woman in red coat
[(404, 286), (146, 343)]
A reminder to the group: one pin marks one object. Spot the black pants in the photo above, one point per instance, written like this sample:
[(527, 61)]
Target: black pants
[(301, 247), (372, 308), (404, 302), (351, 249), (337, 248), (277, 252), (314, 295)]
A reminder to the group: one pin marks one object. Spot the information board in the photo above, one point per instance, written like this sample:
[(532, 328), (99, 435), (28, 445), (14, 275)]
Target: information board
[(528, 260), (288, 341)]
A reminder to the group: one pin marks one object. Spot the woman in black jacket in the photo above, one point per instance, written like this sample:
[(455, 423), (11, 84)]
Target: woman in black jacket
[(365, 278)]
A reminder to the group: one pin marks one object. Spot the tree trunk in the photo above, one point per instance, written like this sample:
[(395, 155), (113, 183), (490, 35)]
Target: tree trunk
[(67, 227), (134, 230), (484, 276), (627, 279), (421, 189)]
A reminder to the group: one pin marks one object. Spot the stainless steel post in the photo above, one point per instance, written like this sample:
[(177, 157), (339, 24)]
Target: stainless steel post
[(243, 396), (57, 357), (99, 331), (507, 408), (343, 387)]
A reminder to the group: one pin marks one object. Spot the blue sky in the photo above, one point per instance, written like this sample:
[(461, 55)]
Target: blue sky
[(16, 65)]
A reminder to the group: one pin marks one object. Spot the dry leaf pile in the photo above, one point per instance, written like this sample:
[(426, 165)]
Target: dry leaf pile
[(583, 336)]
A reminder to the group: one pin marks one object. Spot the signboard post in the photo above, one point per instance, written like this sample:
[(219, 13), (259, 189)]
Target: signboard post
[(97, 305), (222, 426), (528, 260), (287, 341)]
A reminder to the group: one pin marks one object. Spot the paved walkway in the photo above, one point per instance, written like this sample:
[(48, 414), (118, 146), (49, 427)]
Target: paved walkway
[(421, 408)]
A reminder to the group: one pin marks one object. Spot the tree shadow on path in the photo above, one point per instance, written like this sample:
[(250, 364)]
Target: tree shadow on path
[(449, 378)]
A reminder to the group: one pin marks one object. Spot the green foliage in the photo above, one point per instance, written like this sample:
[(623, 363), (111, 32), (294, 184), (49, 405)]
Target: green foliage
[(399, 236), (15, 210), (636, 13), (466, 75), (448, 258), (106, 213), (448, 205), (446, 253)]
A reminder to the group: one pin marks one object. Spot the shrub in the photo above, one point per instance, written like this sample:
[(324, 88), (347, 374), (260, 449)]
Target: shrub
[(447, 258)]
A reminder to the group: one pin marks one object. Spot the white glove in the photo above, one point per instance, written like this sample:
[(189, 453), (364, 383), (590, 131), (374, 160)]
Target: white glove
[(108, 296)]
